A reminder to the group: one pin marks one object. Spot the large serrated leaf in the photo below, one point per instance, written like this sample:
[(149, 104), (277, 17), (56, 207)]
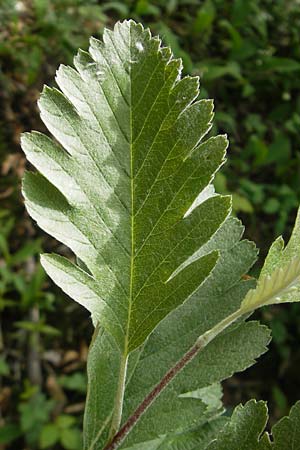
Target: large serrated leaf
[(119, 181)]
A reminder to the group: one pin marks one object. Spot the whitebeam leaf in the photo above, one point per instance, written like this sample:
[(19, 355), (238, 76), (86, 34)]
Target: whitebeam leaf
[(246, 430), (279, 280), (286, 432), (116, 183)]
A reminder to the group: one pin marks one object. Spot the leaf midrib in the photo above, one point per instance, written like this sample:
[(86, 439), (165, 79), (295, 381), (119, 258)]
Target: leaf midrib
[(280, 290), (119, 400)]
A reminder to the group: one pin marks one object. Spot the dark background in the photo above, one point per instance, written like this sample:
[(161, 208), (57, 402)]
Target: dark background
[(247, 53)]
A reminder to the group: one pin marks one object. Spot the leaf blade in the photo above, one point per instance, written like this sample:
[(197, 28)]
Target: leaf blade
[(128, 133), (279, 281)]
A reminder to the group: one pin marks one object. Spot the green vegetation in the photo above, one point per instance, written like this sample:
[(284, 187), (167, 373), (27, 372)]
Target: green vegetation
[(247, 55), (130, 169)]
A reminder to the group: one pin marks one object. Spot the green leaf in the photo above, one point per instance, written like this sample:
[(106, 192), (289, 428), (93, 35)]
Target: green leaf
[(127, 171), (49, 435), (9, 433), (71, 439), (65, 421), (4, 367), (246, 430), (74, 382), (240, 203), (213, 71), (205, 17), (103, 368), (286, 433), (279, 280), (131, 167), (279, 64), (34, 414), (30, 248)]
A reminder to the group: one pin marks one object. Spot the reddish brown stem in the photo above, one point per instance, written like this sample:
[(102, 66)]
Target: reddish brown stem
[(142, 408)]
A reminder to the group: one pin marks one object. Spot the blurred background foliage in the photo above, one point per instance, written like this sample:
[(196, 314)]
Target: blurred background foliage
[(247, 54)]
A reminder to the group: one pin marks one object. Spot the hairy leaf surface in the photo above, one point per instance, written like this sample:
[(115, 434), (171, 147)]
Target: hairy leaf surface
[(120, 181), (286, 433), (246, 430), (279, 280), (196, 439), (220, 295)]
